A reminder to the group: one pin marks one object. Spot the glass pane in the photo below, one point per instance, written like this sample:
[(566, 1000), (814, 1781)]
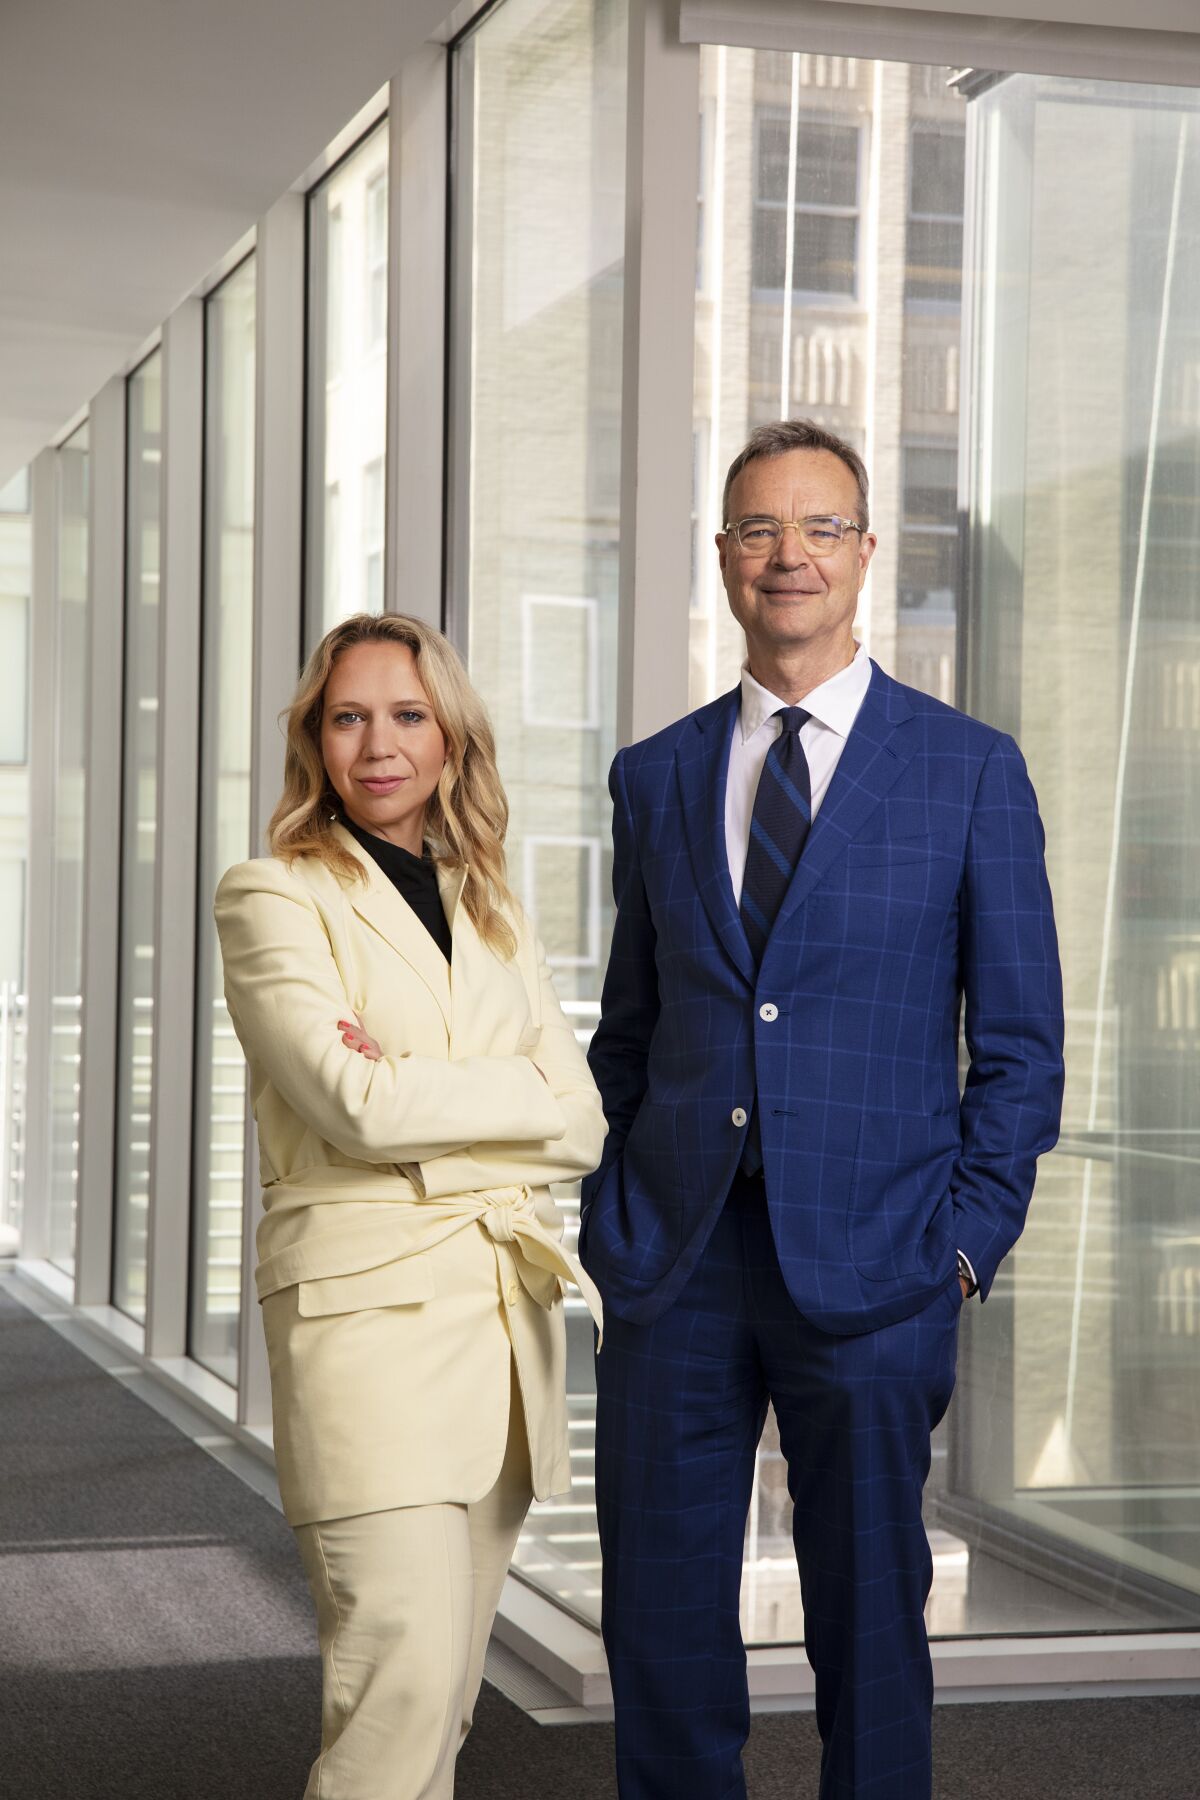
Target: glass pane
[(1085, 543), (69, 793), (843, 348), (220, 1072), (539, 290), (14, 655), (135, 1022), (347, 386), (16, 550)]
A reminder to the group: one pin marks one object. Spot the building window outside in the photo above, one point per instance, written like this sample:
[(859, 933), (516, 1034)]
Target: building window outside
[(219, 1120), (826, 210), (561, 881), (935, 211), (929, 542), (347, 390), (139, 808), (537, 304), (560, 662)]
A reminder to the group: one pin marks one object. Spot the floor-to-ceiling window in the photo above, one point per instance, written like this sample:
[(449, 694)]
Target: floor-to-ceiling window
[(347, 387), (540, 196), (16, 555), (1080, 1436), (67, 899), (219, 1122), (828, 287), (139, 796)]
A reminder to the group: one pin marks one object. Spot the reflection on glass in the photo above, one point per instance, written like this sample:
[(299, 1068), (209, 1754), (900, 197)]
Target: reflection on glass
[(135, 1022), (1085, 579), (865, 339), (347, 386), (539, 291), (220, 1072), (66, 954)]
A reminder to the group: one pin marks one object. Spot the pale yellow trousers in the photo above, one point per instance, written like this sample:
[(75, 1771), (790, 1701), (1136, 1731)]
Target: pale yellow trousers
[(405, 1602)]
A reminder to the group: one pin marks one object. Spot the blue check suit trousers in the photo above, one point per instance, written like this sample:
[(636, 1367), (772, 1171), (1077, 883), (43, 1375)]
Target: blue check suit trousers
[(680, 1409)]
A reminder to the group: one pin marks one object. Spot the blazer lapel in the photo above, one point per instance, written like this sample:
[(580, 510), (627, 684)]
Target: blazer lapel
[(381, 907), (702, 768), (870, 764)]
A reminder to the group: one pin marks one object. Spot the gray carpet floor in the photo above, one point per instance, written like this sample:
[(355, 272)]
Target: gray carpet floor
[(156, 1644)]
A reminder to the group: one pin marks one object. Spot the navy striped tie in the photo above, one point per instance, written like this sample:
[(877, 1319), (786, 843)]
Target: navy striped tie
[(778, 827)]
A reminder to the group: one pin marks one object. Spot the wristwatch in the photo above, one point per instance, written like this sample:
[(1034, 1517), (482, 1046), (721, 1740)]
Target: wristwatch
[(968, 1275)]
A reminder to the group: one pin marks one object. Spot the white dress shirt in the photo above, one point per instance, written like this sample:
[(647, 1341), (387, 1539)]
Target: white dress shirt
[(832, 708)]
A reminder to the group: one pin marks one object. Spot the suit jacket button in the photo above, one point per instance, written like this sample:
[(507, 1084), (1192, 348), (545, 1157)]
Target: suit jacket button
[(769, 1012), (738, 1115)]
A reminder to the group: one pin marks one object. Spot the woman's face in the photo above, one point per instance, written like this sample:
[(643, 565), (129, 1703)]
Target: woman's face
[(382, 746)]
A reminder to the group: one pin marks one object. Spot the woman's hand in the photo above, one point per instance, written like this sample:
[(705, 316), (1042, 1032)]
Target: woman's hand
[(356, 1038)]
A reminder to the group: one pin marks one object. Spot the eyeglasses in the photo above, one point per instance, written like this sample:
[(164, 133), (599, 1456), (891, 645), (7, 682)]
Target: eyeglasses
[(820, 535)]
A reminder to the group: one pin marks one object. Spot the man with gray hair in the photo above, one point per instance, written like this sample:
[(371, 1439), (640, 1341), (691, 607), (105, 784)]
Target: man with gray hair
[(816, 876)]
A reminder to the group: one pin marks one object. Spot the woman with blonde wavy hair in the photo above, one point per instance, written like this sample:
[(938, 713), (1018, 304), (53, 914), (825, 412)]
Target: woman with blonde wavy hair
[(416, 1088)]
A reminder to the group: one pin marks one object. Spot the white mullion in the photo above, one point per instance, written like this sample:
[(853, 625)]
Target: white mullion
[(39, 908), (102, 839), (662, 160), (416, 403), (278, 628), (176, 826)]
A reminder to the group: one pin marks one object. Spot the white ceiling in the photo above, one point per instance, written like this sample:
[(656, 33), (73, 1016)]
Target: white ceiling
[(139, 140)]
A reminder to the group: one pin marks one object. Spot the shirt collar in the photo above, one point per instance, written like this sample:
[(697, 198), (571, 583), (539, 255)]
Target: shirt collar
[(835, 703)]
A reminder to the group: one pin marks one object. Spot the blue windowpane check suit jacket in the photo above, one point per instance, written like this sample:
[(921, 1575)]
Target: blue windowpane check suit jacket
[(920, 900)]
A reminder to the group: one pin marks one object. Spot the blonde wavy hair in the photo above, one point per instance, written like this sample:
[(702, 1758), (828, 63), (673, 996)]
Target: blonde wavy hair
[(467, 814)]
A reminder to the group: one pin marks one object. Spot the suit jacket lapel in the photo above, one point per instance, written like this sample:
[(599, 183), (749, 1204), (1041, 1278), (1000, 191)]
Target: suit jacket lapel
[(870, 764), (382, 908), (702, 769)]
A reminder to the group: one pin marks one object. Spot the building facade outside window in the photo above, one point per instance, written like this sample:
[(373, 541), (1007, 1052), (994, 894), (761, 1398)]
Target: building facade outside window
[(219, 1119), (935, 202), (847, 345), (347, 387), (139, 805)]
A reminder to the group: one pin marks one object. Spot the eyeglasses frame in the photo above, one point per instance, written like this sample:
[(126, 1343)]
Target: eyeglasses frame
[(734, 529)]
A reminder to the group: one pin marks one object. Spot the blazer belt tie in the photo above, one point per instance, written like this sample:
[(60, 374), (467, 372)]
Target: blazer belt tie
[(508, 1216)]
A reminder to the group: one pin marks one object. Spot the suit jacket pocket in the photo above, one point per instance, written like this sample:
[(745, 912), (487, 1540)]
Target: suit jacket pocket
[(403, 1283), (900, 1219), (895, 851)]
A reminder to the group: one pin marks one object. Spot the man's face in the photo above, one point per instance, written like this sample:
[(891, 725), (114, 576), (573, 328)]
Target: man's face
[(789, 598)]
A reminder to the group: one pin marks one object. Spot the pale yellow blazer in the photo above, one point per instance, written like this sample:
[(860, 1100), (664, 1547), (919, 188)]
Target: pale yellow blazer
[(409, 1245)]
